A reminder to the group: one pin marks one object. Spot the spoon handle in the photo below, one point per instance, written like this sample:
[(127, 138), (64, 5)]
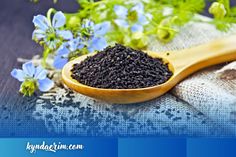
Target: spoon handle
[(193, 59)]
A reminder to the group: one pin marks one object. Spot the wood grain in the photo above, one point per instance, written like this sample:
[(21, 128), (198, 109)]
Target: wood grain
[(15, 41)]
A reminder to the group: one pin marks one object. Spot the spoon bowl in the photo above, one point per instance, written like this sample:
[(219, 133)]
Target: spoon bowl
[(182, 63)]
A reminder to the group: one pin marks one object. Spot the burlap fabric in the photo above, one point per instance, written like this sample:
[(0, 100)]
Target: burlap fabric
[(201, 105)]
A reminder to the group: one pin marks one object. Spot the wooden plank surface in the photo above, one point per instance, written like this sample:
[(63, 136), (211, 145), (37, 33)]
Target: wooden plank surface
[(15, 41)]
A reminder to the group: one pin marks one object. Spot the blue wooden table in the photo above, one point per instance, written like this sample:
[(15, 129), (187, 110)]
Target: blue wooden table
[(15, 35)]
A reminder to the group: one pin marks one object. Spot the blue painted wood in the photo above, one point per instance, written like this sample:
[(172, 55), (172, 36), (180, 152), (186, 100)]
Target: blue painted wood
[(15, 41)]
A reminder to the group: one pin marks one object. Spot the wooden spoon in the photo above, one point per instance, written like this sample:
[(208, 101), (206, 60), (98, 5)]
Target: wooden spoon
[(182, 63)]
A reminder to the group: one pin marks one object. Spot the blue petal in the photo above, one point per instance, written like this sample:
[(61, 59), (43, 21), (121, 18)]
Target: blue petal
[(65, 34), (40, 73), (137, 28), (58, 20), (38, 34), (101, 28), (142, 19), (91, 49), (139, 8), (81, 44), (29, 69), (97, 44), (75, 44), (41, 22), (59, 61), (63, 50), (121, 11), (18, 74), (72, 45), (122, 23), (45, 84)]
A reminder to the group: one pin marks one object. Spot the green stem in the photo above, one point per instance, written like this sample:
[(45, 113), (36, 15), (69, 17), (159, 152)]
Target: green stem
[(45, 56), (154, 23), (168, 28), (49, 13), (153, 31)]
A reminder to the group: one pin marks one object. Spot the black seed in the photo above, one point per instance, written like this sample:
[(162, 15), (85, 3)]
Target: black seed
[(120, 67)]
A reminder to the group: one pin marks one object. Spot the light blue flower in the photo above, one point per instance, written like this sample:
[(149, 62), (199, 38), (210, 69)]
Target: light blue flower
[(90, 38), (49, 31), (32, 78), (66, 51), (93, 35), (134, 18)]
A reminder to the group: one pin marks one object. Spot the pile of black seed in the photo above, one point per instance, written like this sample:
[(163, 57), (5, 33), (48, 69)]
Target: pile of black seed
[(120, 67)]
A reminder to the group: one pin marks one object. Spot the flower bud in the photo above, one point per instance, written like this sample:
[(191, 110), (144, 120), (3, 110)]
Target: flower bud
[(140, 40), (164, 30), (73, 21), (143, 42), (217, 10), (163, 33)]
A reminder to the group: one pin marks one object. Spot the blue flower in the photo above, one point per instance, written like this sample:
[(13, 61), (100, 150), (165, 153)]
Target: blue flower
[(66, 51), (49, 31), (90, 37), (93, 35), (134, 18), (32, 78)]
